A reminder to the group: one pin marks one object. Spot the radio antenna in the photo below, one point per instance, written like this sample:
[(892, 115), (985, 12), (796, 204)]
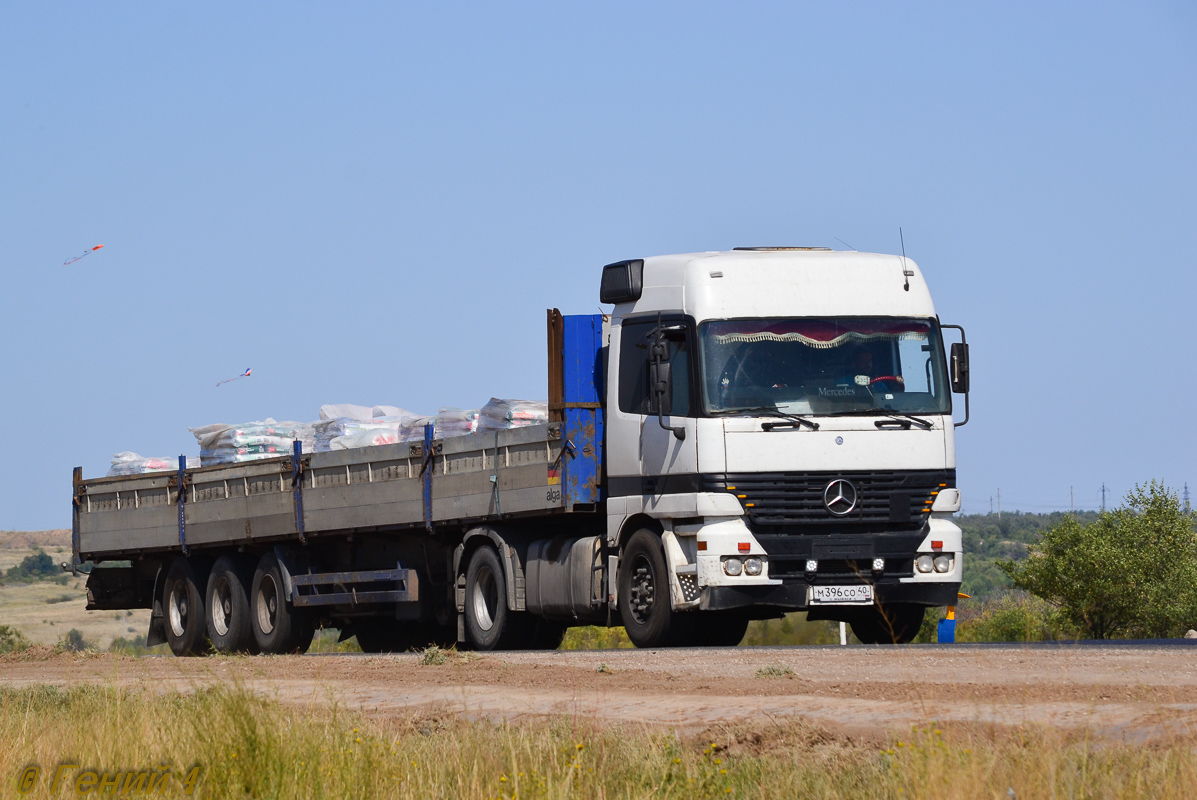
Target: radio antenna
[(841, 241), (906, 273)]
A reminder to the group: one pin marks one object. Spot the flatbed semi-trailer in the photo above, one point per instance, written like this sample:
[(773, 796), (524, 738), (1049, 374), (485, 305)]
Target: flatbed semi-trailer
[(693, 475)]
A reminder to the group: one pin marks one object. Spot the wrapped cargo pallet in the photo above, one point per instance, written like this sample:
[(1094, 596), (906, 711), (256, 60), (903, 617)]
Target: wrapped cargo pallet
[(129, 463), (251, 441)]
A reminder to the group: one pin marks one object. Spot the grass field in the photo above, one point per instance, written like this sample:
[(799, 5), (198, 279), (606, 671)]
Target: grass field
[(248, 746)]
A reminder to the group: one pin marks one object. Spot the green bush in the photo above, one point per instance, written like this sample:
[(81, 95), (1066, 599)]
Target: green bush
[(33, 567), (1131, 573), (12, 640), (73, 640), (1012, 617)]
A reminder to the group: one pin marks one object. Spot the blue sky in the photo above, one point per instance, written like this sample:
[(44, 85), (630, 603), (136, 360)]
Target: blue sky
[(376, 205)]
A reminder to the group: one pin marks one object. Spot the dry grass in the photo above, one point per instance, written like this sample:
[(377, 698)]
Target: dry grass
[(248, 746)]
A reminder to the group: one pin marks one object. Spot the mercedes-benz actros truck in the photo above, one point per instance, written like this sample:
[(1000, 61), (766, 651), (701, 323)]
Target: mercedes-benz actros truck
[(746, 434)]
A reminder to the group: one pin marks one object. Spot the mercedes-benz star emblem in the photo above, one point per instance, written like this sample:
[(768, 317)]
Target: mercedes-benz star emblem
[(840, 497)]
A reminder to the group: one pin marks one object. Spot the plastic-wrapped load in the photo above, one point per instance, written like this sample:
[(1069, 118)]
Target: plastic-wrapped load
[(448, 422), (331, 411), (331, 429), (250, 441), (128, 463), (345, 411), (365, 438), (500, 414)]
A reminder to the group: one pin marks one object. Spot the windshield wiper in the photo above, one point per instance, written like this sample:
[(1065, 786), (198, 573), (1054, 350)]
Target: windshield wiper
[(775, 412), (860, 412)]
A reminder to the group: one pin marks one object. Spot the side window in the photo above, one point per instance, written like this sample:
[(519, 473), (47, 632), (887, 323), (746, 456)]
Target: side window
[(633, 370)]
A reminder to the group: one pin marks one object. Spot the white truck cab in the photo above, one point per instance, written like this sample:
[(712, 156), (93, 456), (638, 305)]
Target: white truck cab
[(782, 419)]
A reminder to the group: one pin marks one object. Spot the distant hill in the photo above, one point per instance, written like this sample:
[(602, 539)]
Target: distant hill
[(27, 540)]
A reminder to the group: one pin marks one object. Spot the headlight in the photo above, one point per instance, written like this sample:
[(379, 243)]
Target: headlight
[(925, 563), (733, 566), (943, 563), (753, 566)]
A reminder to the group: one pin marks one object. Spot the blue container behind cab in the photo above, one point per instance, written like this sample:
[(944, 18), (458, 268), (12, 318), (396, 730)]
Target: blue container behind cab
[(579, 402)]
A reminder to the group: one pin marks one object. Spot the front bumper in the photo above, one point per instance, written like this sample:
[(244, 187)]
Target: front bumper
[(793, 596)]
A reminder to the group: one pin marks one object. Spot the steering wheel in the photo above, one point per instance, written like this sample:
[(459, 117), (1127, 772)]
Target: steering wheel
[(895, 378)]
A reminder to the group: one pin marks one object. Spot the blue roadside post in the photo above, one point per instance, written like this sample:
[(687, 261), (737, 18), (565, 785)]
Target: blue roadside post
[(946, 634)]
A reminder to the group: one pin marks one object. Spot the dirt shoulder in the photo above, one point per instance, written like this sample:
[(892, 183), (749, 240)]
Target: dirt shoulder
[(1136, 694)]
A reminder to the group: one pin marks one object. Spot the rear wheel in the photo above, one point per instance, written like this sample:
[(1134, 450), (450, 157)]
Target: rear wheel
[(183, 607), (644, 604), (897, 623), (278, 627), (489, 624), (227, 606)]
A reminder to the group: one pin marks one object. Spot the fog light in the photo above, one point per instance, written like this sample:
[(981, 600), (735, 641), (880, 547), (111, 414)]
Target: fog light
[(925, 564), (878, 564), (812, 566), (943, 563), (753, 566), (733, 566)]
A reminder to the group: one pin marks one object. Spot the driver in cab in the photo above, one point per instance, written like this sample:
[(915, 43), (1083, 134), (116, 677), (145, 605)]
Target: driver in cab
[(862, 372)]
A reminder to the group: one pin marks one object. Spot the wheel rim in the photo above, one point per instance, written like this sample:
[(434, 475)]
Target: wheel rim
[(177, 609), (485, 599), (222, 606), (267, 604), (643, 591)]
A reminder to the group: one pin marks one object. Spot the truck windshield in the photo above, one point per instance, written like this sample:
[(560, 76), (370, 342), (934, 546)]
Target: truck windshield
[(823, 366)]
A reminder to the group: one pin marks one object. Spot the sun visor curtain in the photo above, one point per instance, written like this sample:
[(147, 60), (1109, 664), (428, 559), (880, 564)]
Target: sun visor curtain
[(821, 334)]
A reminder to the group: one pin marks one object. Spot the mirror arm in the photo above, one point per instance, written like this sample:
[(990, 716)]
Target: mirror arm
[(963, 340), (679, 432)]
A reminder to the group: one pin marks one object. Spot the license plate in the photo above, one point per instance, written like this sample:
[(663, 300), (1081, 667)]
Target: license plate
[(861, 593)]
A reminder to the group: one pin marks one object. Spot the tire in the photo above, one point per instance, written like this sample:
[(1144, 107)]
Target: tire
[(898, 623), (644, 603), (278, 627), (489, 624), (227, 606), (183, 608), (720, 628), (545, 635)]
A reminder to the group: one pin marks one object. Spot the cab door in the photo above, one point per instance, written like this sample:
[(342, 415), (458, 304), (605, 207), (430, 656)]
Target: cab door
[(668, 464)]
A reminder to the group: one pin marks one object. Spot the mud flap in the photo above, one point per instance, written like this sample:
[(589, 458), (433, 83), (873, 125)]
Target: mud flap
[(157, 632)]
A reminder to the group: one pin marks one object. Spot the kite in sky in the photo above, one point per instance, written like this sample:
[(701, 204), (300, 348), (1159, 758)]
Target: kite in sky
[(87, 252), (245, 374)]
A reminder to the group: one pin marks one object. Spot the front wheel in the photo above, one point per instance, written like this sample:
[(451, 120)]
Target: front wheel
[(644, 604), (721, 628), (897, 623)]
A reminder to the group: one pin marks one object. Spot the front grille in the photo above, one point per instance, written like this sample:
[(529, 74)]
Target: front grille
[(780, 502)]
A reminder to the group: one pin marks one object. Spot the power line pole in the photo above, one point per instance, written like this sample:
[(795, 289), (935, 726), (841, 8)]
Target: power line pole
[(1187, 507), (1103, 496), (991, 505), (999, 503), (1071, 501)]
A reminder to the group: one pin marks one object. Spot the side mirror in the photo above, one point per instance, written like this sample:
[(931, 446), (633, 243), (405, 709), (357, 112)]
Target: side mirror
[(660, 379), (660, 383), (958, 367)]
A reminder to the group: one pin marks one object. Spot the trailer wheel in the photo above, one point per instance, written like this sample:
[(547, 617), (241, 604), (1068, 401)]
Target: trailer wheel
[(720, 628), (898, 623), (183, 607), (644, 604), (488, 622), (278, 627), (227, 606)]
